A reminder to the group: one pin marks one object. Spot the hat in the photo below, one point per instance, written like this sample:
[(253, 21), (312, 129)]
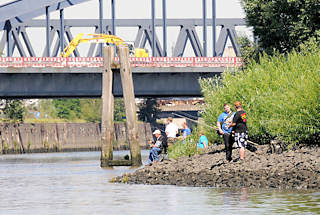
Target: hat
[(157, 132)]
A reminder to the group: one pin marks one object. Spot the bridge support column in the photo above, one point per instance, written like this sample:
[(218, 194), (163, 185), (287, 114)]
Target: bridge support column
[(107, 125), (129, 101)]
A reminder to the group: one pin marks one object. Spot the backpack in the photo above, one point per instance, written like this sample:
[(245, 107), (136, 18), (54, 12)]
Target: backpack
[(164, 144)]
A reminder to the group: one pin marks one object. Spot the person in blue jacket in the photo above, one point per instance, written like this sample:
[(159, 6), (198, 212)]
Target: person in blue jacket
[(223, 122), (186, 132), (203, 141)]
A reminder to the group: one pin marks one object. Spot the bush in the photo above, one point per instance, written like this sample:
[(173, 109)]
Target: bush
[(281, 95), (14, 110), (188, 149)]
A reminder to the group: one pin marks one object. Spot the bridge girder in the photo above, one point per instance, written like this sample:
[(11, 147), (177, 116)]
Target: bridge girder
[(16, 16), (20, 11), (144, 35), (87, 82)]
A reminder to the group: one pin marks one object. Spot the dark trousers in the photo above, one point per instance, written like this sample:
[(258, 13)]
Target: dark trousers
[(228, 142)]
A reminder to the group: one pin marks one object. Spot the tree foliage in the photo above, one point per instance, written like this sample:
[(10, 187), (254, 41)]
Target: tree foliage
[(249, 50), (283, 24), (90, 110), (281, 95), (119, 110), (47, 108), (148, 111), (67, 108), (14, 110)]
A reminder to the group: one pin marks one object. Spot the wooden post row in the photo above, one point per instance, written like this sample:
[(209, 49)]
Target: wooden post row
[(107, 124)]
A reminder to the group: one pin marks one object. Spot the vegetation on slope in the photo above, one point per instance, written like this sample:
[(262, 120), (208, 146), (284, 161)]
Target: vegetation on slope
[(281, 95)]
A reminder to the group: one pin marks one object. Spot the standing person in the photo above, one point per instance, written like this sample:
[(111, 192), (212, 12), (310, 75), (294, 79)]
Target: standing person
[(224, 120), (239, 124), (171, 131), (157, 147), (186, 131), (203, 141)]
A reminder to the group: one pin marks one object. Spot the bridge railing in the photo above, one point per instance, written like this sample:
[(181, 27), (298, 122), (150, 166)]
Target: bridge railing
[(58, 62)]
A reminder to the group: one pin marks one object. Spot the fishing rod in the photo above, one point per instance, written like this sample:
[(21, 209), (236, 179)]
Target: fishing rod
[(196, 121)]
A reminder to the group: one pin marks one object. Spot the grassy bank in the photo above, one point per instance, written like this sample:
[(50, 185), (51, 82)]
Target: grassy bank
[(281, 95)]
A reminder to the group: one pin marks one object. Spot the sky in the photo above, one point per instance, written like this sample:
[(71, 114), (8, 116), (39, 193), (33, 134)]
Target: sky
[(126, 9)]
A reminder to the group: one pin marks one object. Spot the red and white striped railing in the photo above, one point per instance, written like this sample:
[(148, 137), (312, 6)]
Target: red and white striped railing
[(57, 62)]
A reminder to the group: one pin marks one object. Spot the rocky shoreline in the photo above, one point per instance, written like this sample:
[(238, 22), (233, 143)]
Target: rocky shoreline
[(298, 169)]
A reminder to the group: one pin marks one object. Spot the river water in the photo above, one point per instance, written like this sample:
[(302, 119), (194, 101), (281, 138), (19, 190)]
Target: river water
[(74, 183)]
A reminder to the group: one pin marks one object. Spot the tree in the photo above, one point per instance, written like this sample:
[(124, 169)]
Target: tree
[(249, 50), (148, 111), (47, 108), (283, 24), (14, 110), (91, 110), (67, 108), (88, 110), (119, 110)]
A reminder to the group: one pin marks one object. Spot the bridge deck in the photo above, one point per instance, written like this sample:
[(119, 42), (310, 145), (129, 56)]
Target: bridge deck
[(58, 62), (82, 77)]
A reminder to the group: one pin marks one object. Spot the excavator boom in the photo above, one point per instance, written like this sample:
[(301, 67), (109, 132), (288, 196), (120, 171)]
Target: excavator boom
[(93, 38)]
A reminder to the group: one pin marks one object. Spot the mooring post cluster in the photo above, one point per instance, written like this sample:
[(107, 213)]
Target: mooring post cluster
[(107, 124)]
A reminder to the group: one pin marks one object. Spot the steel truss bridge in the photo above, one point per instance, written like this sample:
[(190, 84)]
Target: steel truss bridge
[(44, 75), (17, 16)]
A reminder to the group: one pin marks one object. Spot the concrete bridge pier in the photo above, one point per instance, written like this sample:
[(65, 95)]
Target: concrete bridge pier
[(107, 124)]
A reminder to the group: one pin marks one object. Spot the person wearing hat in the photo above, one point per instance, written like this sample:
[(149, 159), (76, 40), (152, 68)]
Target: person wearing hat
[(157, 147), (239, 125), (171, 131)]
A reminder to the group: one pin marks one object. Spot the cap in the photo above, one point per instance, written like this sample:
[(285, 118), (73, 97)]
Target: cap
[(157, 132)]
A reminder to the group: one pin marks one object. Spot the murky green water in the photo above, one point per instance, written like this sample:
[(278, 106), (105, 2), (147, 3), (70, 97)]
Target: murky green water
[(73, 183)]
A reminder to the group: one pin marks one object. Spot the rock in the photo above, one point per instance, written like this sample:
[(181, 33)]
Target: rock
[(297, 169)]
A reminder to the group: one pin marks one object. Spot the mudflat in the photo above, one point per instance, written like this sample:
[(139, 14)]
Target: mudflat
[(295, 169)]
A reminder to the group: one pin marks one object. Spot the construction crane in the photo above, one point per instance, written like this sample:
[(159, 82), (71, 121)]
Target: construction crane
[(102, 38)]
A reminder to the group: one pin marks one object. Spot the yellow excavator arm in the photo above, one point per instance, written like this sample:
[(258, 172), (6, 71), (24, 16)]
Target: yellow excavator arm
[(101, 38), (93, 38)]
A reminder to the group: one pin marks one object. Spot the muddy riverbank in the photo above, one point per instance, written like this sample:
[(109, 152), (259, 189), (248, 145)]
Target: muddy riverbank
[(299, 169)]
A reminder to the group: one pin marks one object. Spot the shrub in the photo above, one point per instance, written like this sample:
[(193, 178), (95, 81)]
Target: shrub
[(281, 95), (14, 110), (188, 149)]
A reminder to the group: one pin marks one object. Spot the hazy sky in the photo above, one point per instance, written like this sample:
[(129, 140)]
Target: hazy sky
[(142, 9)]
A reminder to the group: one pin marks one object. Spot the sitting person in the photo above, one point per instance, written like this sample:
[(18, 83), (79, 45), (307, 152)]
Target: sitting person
[(171, 131), (157, 147), (203, 141), (186, 132)]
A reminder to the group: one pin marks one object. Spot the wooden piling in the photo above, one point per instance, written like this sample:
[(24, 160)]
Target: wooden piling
[(107, 125), (129, 101)]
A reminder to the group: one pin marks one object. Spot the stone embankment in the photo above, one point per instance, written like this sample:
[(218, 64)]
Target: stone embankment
[(299, 169), (52, 137)]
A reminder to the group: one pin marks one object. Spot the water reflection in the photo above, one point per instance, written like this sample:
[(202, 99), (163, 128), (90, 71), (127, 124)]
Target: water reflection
[(73, 183)]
